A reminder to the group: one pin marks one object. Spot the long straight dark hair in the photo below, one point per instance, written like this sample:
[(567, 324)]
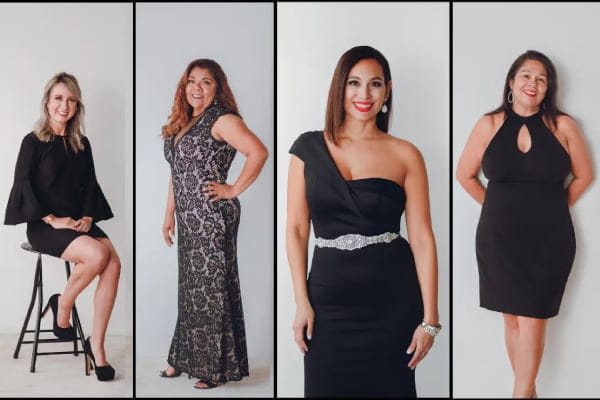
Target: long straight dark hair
[(549, 107), (334, 117)]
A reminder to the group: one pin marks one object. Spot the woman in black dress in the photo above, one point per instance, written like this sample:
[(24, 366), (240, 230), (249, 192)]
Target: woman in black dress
[(202, 135), (525, 239), (56, 192), (368, 312)]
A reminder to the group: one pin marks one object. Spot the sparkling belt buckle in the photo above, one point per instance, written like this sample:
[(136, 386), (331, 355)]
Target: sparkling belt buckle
[(353, 241)]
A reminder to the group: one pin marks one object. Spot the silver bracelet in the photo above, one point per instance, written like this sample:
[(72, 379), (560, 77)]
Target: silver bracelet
[(433, 330)]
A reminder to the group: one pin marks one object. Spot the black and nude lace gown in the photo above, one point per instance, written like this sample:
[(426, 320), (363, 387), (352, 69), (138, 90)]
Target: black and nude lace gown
[(525, 238), (209, 341), (362, 285)]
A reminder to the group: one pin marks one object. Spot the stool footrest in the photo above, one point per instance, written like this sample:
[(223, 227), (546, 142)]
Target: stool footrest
[(57, 340), (37, 296), (58, 352)]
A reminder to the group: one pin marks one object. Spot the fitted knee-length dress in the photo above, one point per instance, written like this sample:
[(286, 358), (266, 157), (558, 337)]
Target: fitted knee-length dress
[(209, 342), (525, 240), (367, 300), (51, 178)]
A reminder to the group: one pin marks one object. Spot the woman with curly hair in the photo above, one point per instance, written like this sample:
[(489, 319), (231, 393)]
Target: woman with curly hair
[(202, 135)]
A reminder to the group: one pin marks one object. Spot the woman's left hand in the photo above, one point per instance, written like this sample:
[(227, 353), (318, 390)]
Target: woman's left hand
[(219, 191), (420, 345), (83, 224)]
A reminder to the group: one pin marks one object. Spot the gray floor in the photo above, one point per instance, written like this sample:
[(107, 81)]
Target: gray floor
[(149, 384), (63, 375)]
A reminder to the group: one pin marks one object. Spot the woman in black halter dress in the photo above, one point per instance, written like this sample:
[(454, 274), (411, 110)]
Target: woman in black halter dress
[(525, 240), (360, 312)]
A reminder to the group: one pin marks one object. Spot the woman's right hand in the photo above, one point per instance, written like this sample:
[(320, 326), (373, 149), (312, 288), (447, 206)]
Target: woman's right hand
[(62, 223), (168, 228), (304, 319)]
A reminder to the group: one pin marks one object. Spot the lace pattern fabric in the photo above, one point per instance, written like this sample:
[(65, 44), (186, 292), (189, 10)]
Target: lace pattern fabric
[(209, 341)]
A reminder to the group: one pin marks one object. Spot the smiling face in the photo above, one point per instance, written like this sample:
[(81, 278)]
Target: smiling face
[(61, 106), (366, 90), (200, 90), (529, 86)]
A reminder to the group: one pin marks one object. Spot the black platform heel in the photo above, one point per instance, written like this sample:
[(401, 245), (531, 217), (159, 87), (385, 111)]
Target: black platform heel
[(105, 373), (62, 333)]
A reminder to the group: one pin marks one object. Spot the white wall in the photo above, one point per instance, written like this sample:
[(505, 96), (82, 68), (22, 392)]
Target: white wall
[(414, 38), (240, 38), (94, 43), (487, 39)]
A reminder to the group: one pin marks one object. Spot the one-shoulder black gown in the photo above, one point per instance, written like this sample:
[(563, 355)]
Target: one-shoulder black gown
[(525, 239), (367, 301)]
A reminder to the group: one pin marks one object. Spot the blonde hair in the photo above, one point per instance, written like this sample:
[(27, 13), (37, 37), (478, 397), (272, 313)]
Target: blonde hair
[(75, 128)]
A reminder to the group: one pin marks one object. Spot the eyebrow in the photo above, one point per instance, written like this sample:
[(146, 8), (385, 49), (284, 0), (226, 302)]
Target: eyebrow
[(201, 78), (377, 78), (528, 70)]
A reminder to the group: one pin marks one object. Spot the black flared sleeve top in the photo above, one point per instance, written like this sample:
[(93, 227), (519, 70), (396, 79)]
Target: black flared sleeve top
[(50, 178)]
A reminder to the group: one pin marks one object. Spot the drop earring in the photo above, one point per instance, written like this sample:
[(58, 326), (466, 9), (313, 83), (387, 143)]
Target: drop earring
[(384, 109), (509, 98)]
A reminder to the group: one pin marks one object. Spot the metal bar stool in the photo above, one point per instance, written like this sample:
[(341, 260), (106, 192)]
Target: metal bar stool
[(38, 291)]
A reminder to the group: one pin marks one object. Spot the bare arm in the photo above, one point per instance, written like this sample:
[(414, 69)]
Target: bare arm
[(422, 243), (168, 228), (234, 131), (297, 232), (581, 163), (420, 234), (469, 163)]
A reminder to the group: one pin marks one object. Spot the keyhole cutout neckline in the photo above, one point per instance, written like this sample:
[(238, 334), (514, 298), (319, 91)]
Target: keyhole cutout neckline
[(524, 139), (524, 134)]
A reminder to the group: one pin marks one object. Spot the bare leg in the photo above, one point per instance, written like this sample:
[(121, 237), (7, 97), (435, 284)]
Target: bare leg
[(104, 300), (90, 257), (528, 355), (511, 336)]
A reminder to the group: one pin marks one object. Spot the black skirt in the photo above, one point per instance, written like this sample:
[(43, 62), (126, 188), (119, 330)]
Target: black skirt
[(48, 240)]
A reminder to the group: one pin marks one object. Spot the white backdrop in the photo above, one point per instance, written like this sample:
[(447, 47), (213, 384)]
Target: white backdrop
[(487, 39), (240, 38), (94, 43), (415, 40)]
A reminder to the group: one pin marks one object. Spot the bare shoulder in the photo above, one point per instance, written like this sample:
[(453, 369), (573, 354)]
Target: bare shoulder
[(566, 125), (227, 120), (406, 151), (484, 131), (227, 127), (489, 124)]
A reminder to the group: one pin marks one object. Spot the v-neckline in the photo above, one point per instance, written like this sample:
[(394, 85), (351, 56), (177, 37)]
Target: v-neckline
[(176, 141), (330, 156), (200, 118)]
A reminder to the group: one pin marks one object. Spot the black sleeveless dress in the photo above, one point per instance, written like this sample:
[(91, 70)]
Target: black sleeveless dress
[(367, 301), (525, 239)]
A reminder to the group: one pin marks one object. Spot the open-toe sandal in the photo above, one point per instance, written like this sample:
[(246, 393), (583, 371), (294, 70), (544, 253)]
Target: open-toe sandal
[(209, 385)]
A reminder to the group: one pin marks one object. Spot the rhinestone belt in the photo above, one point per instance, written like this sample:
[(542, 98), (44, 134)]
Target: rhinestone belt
[(353, 241)]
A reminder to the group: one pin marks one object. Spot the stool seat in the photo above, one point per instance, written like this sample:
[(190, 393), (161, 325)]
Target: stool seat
[(38, 293), (27, 247)]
